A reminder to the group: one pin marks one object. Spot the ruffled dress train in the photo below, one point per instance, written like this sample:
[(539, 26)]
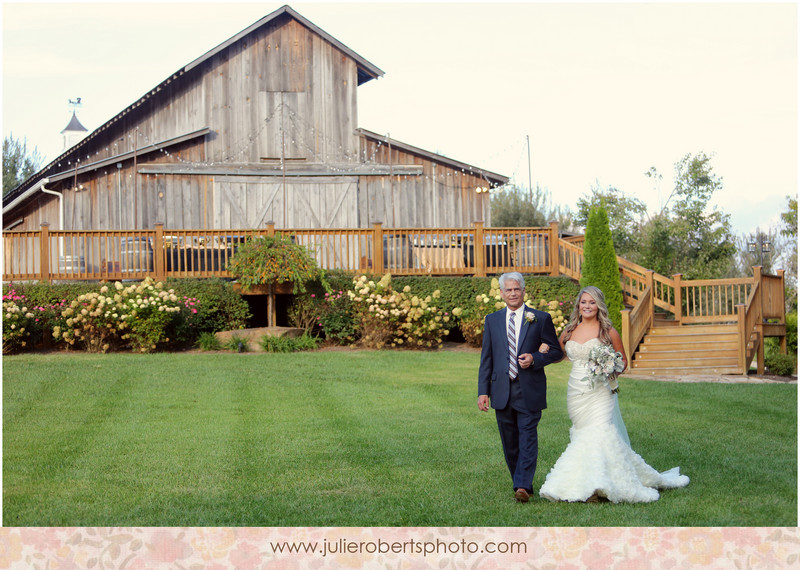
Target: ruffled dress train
[(599, 459)]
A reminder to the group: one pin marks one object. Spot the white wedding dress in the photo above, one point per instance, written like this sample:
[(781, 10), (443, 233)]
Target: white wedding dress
[(599, 458)]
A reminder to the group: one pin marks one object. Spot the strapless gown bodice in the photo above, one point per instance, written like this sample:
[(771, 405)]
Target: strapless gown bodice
[(599, 458)]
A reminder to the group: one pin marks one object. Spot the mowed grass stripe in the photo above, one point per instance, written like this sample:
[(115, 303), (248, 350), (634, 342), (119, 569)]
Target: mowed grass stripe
[(356, 438)]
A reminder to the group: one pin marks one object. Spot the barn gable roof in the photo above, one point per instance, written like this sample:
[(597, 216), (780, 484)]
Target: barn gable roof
[(366, 72), (492, 178)]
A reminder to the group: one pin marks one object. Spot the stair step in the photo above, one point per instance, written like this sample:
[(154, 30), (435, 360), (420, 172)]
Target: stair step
[(678, 346), (685, 371), (686, 362), (694, 330), (688, 350), (683, 337), (646, 352)]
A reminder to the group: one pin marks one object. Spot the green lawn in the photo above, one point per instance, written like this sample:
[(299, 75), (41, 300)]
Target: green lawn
[(356, 438)]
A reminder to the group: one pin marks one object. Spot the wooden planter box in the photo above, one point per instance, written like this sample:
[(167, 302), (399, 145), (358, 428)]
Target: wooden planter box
[(284, 288)]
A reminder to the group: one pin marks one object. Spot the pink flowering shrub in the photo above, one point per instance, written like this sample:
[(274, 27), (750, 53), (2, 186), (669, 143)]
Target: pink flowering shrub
[(24, 322)]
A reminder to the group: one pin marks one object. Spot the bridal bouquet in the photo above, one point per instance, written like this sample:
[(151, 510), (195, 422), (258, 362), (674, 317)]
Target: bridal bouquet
[(603, 365)]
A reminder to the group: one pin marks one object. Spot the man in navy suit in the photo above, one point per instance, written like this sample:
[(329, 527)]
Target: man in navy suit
[(511, 377)]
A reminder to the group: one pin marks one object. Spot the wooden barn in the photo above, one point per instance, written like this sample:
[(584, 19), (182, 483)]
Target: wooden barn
[(262, 128)]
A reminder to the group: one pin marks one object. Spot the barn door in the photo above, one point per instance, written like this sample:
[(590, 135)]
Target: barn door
[(245, 203), (327, 205)]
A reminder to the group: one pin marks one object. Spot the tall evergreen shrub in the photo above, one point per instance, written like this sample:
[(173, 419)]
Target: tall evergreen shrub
[(600, 267)]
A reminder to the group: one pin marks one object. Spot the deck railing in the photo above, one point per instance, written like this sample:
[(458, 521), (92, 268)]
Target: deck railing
[(46, 255)]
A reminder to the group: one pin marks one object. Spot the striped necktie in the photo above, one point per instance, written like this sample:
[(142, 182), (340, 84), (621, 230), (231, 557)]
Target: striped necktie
[(512, 347)]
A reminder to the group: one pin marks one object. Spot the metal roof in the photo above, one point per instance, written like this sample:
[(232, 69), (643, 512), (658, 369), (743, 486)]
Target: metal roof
[(74, 125)]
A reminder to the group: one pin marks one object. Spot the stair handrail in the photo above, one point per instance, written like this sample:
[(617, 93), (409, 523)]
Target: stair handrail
[(749, 319), (637, 321)]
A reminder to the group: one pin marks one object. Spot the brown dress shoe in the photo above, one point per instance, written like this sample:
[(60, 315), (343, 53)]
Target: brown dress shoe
[(522, 496)]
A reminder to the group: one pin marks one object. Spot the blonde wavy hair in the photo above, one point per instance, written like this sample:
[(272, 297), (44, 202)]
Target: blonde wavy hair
[(602, 315)]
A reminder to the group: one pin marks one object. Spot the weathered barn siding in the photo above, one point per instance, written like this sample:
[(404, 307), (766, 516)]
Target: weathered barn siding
[(442, 196), (262, 128)]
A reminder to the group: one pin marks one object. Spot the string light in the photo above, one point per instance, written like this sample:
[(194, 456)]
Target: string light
[(242, 145)]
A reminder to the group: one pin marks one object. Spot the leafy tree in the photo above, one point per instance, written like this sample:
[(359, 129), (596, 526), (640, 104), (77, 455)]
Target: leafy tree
[(600, 267), (18, 164), (625, 214), (269, 260), (686, 236), (789, 231), (656, 251), (516, 207)]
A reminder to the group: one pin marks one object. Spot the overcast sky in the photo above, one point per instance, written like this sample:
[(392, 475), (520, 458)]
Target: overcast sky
[(603, 91)]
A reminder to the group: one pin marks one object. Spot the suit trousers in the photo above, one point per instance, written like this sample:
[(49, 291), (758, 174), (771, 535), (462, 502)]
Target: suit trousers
[(518, 433)]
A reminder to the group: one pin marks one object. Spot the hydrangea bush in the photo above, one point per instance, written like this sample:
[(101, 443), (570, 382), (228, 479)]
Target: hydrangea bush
[(385, 317), (472, 317), (141, 316)]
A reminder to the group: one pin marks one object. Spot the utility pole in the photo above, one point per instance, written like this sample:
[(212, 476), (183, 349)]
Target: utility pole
[(530, 186)]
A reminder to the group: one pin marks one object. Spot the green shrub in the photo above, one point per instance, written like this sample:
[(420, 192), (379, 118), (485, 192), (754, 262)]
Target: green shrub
[(274, 259), (287, 344), (600, 267), (281, 343), (336, 316), (471, 316), (46, 294), (208, 341), (779, 363), (791, 332), (304, 313), (219, 307), (306, 342), (236, 343)]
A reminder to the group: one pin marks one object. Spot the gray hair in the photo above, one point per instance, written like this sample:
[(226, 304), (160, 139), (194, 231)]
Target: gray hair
[(512, 276)]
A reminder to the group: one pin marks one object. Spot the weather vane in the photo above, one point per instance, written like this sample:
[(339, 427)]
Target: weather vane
[(75, 104)]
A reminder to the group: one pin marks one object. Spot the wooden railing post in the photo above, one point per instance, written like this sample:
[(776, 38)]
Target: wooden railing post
[(650, 282), (270, 228), (676, 284), (758, 282), (626, 333), (780, 273), (758, 301), (743, 338), (377, 247), (479, 250), (555, 270), (44, 253), (159, 265)]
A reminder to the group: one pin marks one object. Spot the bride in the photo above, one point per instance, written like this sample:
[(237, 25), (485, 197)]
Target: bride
[(599, 463)]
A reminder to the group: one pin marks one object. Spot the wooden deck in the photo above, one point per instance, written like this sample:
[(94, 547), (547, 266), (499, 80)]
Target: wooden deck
[(748, 309)]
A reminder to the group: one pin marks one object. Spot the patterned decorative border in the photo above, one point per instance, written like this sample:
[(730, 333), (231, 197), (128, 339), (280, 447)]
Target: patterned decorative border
[(449, 547)]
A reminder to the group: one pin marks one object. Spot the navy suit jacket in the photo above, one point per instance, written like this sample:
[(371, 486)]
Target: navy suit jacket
[(493, 379)]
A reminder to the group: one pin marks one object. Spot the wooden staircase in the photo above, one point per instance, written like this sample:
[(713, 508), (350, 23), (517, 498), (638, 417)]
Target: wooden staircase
[(671, 349)]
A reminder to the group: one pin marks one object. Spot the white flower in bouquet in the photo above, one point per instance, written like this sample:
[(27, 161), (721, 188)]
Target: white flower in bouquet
[(604, 364)]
